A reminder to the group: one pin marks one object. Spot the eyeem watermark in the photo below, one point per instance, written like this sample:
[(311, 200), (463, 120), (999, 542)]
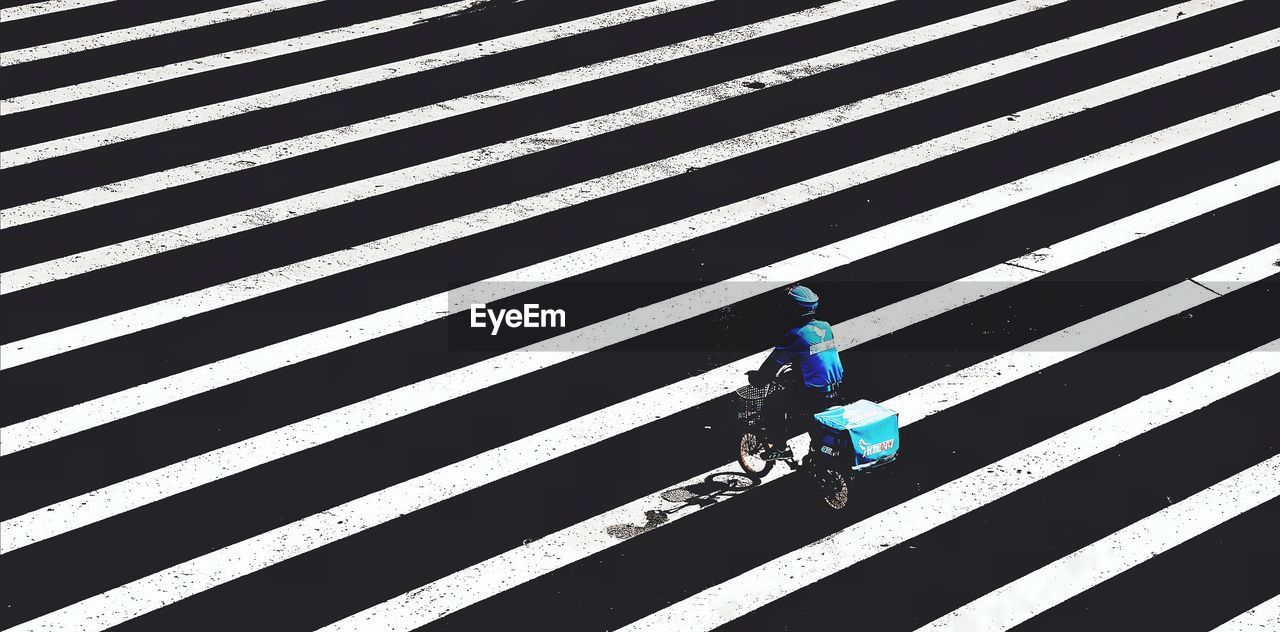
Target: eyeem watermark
[(531, 316), (691, 316)]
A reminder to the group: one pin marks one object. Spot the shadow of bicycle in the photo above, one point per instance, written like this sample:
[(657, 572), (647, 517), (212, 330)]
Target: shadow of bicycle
[(709, 491)]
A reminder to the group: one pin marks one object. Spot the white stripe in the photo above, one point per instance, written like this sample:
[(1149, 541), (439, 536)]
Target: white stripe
[(378, 250), (143, 31), (514, 567), (212, 569), (96, 412), (446, 109), (422, 63), (440, 168), (433, 112), (1263, 618), (473, 223), (782, 576), (90, 414), (434, 170), (313, 88), (34, 9), (1087, 567), (103, 503), (488, 219)]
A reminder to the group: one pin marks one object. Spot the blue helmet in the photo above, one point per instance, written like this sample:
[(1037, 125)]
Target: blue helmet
[(804, 298)]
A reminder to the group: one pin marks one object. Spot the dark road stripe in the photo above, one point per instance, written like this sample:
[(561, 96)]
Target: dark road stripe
[(152, 52), (1044, 305), (635, 578), (369, 100), (912, 585), (232, 413), (1129, 118), (1194, 587), (90, 20), (639, 569)]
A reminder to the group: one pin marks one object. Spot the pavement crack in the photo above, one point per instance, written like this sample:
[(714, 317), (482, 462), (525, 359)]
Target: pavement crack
[(1018, 265), (1205, 287)]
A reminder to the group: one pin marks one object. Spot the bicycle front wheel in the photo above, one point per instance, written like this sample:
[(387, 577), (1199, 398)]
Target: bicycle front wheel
[(750, 454)]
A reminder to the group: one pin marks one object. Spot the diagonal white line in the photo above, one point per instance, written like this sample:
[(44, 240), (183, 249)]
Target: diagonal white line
[(426, 113), (103, 503), (134, 33), (354, 79), (485, 579), (472, 223), (168, 310), (782, 576), (437, 169), (298, 92), (488, 219), (68, 421), (44, 8), (100, 504), (1265, 617), (1048, 586), (184, 580)]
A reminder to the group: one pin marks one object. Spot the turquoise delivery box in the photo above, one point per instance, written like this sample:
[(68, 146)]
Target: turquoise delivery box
[(864, 431)]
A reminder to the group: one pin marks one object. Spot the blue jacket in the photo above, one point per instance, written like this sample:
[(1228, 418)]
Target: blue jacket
[(811, 348)]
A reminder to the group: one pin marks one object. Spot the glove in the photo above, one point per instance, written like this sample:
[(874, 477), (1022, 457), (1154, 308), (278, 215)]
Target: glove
[(758, 379)]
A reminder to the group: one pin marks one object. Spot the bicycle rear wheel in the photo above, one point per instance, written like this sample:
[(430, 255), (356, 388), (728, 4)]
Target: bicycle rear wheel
[(833, 487)]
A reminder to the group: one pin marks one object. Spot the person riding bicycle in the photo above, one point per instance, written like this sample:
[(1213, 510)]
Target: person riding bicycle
[(813, 384)]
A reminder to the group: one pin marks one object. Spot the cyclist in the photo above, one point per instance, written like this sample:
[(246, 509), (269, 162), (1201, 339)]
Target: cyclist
[(813, 384)]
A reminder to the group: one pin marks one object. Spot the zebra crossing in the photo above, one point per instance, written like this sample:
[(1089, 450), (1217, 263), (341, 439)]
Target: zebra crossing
[(239, 239)]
